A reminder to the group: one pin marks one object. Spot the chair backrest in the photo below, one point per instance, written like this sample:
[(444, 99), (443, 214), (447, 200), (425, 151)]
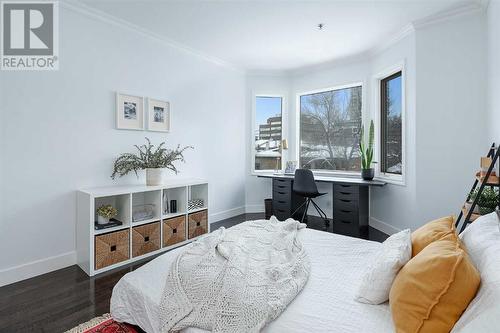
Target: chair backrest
[(304, 183)]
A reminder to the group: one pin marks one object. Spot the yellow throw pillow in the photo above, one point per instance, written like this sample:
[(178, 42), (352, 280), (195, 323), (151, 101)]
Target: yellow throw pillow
[(431, 232), (433, 289)]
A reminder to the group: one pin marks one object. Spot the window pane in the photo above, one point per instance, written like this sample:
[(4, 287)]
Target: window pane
[(267, 136), (391, 127), (330, 123)]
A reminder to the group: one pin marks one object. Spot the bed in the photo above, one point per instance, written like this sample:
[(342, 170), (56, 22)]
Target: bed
[(326, 303)]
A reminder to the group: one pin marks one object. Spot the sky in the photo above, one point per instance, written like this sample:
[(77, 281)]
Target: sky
[(395, 96), (267, 107)]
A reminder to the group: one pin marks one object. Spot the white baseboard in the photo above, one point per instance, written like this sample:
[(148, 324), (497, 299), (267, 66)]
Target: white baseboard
[(42, 266), (227, 214), (254, 209), (46, 265), (373, 222), (382, 226), (38, 267)]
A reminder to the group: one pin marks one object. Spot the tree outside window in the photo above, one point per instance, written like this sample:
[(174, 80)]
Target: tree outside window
[(330, 123), (391, 124)]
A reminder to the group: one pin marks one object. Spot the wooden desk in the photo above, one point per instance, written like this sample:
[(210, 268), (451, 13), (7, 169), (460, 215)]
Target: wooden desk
[(350, 201)]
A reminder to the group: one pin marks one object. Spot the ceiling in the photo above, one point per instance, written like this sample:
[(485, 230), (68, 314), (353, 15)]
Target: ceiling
[(275, 35)]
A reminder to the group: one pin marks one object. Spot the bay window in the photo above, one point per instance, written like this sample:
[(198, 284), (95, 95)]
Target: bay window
[(391, 125), (267, 133), (330, 123)]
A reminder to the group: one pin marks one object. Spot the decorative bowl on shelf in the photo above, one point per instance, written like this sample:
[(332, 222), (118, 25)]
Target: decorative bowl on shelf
[(143, 212), (195, 204)]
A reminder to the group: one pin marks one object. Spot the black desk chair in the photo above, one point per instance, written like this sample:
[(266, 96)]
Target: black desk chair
[(305, 186)]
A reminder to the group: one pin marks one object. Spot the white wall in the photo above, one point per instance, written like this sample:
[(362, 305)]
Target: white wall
[(318, 78), (57, 128), (394, 205), (493, 70), (58, 133), (451, 113), (258, 189), (289, 85), (358, 70), (445, 118)]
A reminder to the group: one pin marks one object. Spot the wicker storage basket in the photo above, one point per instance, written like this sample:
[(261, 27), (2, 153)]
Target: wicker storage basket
[(145, 239), (111, 248), (198, 223), (174, 230)]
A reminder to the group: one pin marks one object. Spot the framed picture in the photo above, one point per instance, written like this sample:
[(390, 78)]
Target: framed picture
[(291, 166), (158, 115), (129, 112)]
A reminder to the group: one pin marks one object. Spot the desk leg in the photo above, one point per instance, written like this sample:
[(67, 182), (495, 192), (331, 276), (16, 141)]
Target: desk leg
[(364, 204), (333, 207)]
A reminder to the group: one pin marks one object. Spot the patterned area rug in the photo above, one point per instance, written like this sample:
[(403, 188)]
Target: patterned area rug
[(104, 324)]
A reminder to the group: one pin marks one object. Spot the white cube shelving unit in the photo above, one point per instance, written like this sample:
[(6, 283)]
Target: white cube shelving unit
[(199, 192), (124, 199), (180, 194)]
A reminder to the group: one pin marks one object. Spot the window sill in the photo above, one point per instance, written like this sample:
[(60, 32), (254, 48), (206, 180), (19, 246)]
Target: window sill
[(345, 174), (264, 172), (392, 179)]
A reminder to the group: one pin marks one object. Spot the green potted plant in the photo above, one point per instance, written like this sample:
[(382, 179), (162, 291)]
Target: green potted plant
[(366, 149), (488, 200), (154, 160), (105, 213)]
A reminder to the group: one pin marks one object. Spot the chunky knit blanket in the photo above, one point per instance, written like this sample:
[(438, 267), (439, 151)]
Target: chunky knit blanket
[(237, 279)]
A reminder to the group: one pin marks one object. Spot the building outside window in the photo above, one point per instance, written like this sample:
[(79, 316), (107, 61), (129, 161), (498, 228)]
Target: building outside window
[(267, 133), (330, 123)]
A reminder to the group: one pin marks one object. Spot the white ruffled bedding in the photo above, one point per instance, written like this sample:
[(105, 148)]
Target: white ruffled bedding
[(326, 304)]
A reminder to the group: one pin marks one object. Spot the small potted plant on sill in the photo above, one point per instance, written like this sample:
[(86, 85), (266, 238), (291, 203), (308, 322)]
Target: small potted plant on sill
[(154, 160), (366, 149), (105, 213)]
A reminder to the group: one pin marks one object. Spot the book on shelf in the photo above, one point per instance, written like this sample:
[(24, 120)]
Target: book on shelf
[(112, 223)]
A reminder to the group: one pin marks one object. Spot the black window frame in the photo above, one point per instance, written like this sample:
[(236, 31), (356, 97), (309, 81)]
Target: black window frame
[(383, 121)]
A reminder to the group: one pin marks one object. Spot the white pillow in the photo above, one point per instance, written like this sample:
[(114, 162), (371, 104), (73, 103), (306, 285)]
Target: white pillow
[(377, 280), (482, 242), (480, 237)]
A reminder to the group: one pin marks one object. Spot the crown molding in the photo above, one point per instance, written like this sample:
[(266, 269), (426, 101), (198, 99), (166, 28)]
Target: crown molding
[(484, 4), (344, 61), (451, 13), (475, 6), (99, 15), (392, 40), (268, 72), (461, 9), (359, 57)]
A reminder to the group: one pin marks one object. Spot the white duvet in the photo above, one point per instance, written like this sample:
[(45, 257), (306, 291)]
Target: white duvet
[(326, 304)]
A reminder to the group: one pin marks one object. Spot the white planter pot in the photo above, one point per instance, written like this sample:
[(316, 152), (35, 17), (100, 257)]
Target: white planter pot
[(154, 176), (102, 220)]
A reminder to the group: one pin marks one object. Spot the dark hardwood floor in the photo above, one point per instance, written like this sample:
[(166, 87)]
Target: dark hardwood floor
[(58, 301)]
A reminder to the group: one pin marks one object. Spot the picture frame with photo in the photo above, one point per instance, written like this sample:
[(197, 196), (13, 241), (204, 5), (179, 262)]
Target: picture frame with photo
[(159, 117), (129, 112), (291, 166)]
